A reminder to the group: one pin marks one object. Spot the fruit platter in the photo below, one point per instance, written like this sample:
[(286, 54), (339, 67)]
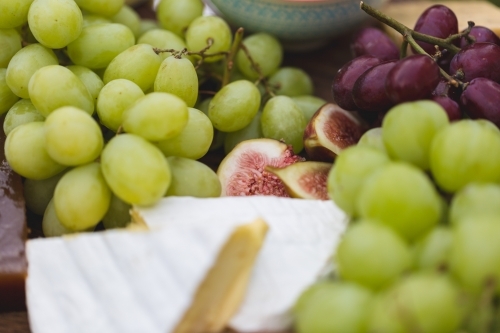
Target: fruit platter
[(186, 167)]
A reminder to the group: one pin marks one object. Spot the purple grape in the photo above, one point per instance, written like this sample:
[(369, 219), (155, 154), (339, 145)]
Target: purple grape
[(481, 100), (480, 35), (445, 89), (345, 78), (477, 60), (450, 106), (412, 78), (369, 93), (373, 42), (438, 21)]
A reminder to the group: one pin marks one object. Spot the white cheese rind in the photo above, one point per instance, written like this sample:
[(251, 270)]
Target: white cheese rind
[(302, 237), (119, 281)]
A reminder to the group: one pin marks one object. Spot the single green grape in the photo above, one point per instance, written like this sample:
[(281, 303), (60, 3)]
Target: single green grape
[(114, 98), (291, 81), (129, 18), (432, 251), (38, 193), (163, 40), (25, 151), (475, 199), (100, 43), (14, 13), (55, 23), (7, 97), (372, 255), (333, 307), (157, 116), (10, 44), (22, 112), (178, 77), (467, 151), (118, 214), (51, 225), (308, 104), (402, 197), (283, 120), (147, 25), (373, 138), (24, 64), (209, 27), (101, 7), (192, 178), (135, 170), (193, 141), (89, 19), (176, 16), (89, 78), (409, 128), (234, 106), (266, 52), (251, 131), (54, 86)]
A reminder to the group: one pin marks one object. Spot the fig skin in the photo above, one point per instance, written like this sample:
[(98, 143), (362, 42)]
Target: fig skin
[(331, 130)]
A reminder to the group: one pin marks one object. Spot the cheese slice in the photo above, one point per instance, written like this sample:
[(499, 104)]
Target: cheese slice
[(138, 280), (302, 237)]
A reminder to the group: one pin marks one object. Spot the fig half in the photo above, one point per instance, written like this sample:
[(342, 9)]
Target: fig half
[(242, 172), (304, 180), (331, 130)]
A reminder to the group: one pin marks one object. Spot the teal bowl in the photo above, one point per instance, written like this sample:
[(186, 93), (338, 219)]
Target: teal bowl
[(299, 24)]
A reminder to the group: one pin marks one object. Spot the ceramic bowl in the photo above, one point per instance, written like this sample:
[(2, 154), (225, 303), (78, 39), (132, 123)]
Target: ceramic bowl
[(299, 24)]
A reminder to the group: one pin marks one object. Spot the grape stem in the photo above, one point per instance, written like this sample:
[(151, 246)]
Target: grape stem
[(235, 47), (262, 79)]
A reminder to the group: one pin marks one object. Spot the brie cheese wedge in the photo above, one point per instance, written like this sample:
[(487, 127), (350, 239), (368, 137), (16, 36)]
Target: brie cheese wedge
[(302, 237)]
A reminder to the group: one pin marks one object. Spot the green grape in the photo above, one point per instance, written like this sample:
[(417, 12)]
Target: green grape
[(205, 27), (10, 44), (20, 113), (475, 200), (25, 151), (147, 25), (291, 81), (309, 105), (118, 214), (408, 130), (114, 98), (423, 302), (90, 79), (101, 7), (14, 13), (89, 19), (82, 197), (234, 106), (162, 39), (402, 197), (203, 105), (55, 23), (333, 307), (51, 225), (178, 77), (475, 252), (138, 63), (251, 131), (72, 136), (157, 116), (176, 15), (130, 18), (54, 86), (195, 139), (7, 97), (372, 255), (38, 193), (433, 250), (465, 152), (283, 120), (100, 43), (135, 169), (24, 64), (349, 173), (192, 178), (266, 52), (373, 138)]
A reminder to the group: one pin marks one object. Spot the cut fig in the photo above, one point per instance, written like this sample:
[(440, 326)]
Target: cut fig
[(242, 172), (331, 130), (304, 180)]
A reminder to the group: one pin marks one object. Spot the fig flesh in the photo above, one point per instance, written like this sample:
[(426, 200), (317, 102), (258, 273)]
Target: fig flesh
[(243, 171), (331, 130), (304, 180)]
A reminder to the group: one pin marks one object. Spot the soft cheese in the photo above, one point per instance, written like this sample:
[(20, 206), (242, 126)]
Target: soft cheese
[(302, 237)]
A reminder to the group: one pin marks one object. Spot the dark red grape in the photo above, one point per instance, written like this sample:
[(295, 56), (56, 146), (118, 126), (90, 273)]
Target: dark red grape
[(445, 89), (412, 78), (369, 93), (477, 60), (450, 106), (481, 100), (438, 21), (345, 78), (480, 35), (374, 42)]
